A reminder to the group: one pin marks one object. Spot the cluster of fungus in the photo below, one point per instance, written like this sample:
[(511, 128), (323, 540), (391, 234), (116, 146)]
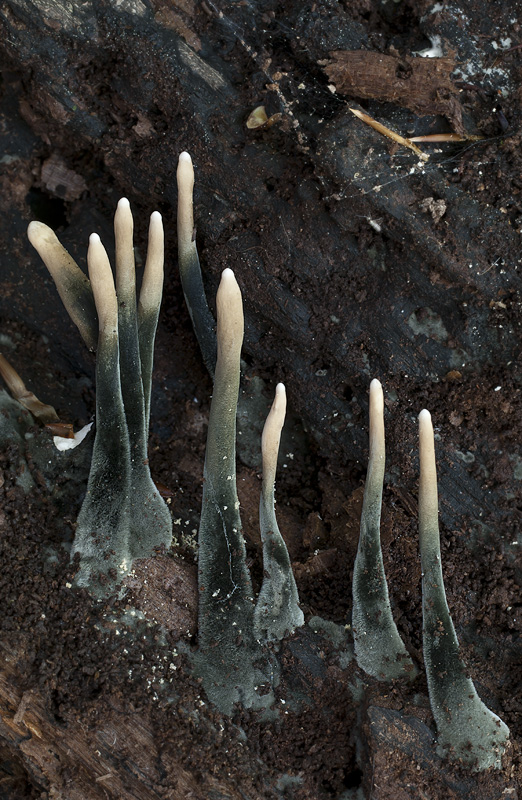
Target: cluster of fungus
[(123, 517), (467, 730)]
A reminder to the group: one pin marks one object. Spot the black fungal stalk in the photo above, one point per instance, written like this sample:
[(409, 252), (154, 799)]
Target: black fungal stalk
[(277, 610), (189, 266), (227, 645), (233, 660), (379, 649), (467, 730), (123, 516)]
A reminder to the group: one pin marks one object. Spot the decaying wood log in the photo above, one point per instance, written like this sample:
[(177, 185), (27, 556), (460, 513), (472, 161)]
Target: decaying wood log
[(354, 262)]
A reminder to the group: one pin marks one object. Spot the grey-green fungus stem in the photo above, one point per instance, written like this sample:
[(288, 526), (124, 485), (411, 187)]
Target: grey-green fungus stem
[(72, 284), (149, 303), (233, 659), (467, 730), (147, 508), (104, 519), (123, 516), (379, 648), (222, 558), (277, 610), (227, 646), (189, 267)]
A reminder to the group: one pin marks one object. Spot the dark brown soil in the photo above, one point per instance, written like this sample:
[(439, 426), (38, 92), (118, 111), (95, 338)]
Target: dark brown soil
[(348, 272)]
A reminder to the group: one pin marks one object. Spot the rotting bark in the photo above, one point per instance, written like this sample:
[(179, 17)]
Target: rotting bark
[(346, 275), (421, 84)]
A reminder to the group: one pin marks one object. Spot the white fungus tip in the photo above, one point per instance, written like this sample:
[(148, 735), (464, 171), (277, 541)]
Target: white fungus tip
[(39, 234), (123, 203), (228, 275), (424, 416), (155, 216), (35, 228), (376, 397), (279, 404), (184, 156), (94, 238)]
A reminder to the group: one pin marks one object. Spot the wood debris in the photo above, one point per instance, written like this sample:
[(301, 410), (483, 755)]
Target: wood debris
[(421, 84), (389, 133), (28, 400)]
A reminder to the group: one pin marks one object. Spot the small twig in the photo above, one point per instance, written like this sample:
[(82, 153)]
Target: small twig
[(389, 133), (446, 137), (28, 400)]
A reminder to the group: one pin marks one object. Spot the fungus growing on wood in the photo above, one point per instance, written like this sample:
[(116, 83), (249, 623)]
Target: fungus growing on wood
[(189, 266), (467, 730), (233, 630), (122, 516), (277, 610), (379, 649), (72, 284), (227, 645)]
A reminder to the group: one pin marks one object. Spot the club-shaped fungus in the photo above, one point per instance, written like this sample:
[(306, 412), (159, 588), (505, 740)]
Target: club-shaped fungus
[(277, 610), (189, 267), (233, 632), (122, 516), (233, 659), (467, 730), (379, 649)]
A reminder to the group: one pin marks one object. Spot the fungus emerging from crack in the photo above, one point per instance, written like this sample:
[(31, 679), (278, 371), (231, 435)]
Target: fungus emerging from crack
[(232, 658), (467, 730), (379, 649), (122, 516)]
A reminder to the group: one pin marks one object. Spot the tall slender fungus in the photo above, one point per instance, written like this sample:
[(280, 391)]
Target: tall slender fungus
[(467, 730), (233, 659), (379, 649), (147, 508), (227, 645), (189, 267), (149, 303), (104, 518), (123, 516), (277, 610), (73, 285), (233, 632)]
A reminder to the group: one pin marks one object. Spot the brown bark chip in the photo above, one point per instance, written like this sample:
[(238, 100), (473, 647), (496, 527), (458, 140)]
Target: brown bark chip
[(421, 84)]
